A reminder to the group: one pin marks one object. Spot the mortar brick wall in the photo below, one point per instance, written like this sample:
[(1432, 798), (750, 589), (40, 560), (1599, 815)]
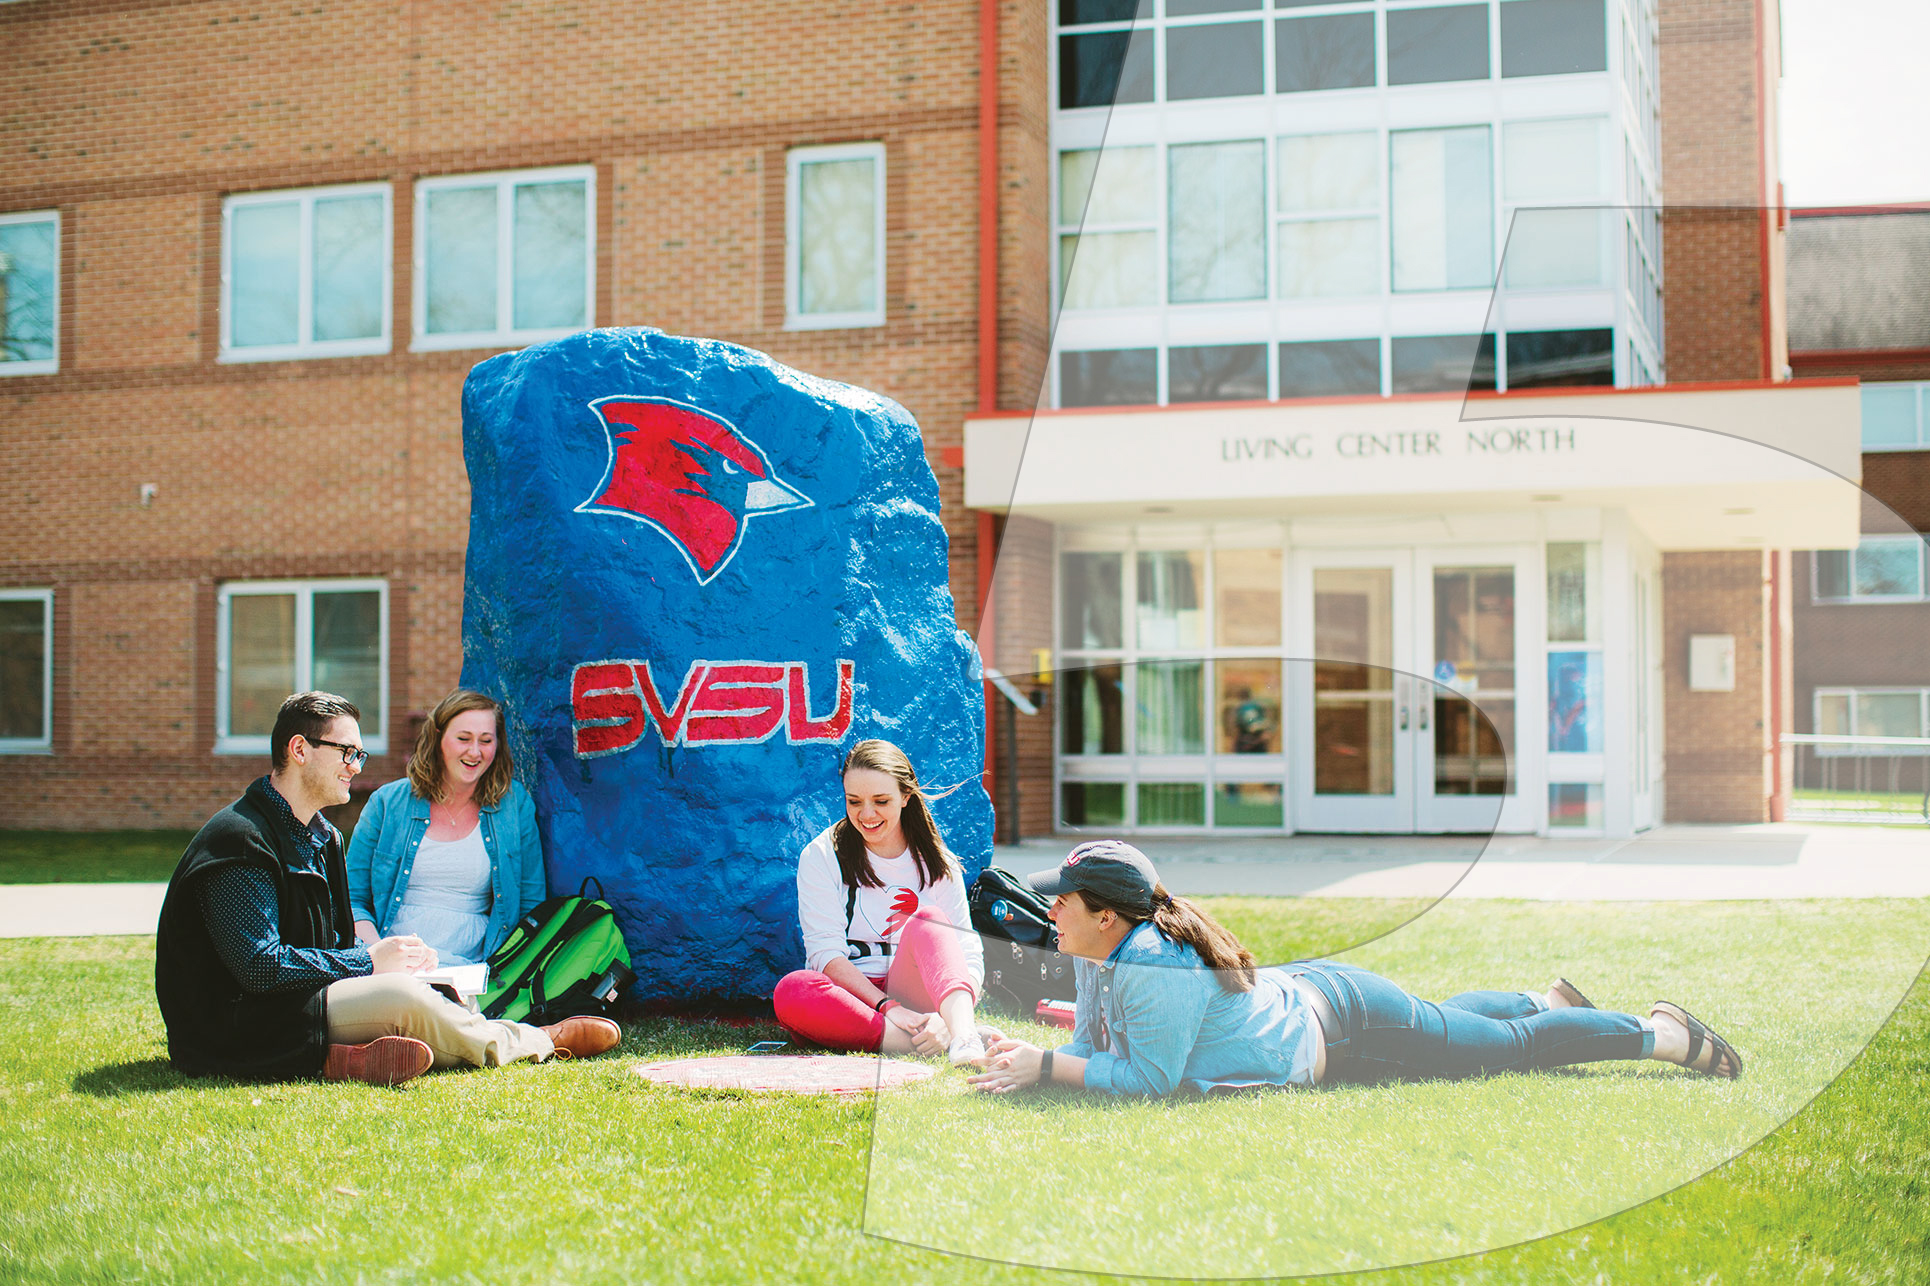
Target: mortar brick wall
[(1022, 590), (1723, 281), (1717, 743), (135, 119)]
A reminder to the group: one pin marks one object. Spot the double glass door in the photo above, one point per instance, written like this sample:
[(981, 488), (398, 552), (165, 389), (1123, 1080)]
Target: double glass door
[(1409, 703)]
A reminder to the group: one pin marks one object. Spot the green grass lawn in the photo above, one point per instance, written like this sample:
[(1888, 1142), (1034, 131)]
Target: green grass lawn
[(115, 1167), (89, 857)]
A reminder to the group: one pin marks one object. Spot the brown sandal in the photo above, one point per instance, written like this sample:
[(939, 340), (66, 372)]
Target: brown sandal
[(1724, 1052), (1572, 994)]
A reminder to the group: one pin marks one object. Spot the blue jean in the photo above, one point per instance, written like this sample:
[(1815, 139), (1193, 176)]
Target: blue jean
[(1387, 1033)]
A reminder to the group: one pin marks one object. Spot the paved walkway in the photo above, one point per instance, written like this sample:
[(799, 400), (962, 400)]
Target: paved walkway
[(1670, 863)]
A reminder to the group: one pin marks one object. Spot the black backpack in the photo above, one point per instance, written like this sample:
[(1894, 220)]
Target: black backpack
[(1023, 963)]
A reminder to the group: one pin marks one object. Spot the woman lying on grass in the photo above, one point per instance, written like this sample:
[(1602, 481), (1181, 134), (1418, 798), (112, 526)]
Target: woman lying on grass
[(1167, 998)]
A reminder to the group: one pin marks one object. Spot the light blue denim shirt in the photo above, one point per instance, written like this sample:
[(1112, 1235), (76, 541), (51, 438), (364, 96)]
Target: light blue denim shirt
[(391, 830), (1151, 1018)]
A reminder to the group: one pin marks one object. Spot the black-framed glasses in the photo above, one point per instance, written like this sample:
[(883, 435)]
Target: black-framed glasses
[(352, 756)]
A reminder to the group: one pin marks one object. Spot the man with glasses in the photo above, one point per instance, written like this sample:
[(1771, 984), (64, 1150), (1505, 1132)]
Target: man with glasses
[(256, 965)]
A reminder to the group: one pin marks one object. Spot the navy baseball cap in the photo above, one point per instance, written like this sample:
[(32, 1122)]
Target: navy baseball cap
[(1109, 869)]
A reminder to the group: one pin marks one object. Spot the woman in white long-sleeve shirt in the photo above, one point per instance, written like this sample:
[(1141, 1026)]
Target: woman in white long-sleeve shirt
[(891, 962)]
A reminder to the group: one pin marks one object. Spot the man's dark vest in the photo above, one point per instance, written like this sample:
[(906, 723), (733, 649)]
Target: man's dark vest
[(214, 1026)]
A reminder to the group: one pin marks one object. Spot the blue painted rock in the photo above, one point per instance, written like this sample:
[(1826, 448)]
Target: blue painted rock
[(695, 579)]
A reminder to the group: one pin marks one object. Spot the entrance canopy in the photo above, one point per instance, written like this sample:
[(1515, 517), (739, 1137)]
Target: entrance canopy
[(1694, 467)]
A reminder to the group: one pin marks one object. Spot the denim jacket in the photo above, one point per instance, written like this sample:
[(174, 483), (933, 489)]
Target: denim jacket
[(1151, 1018), (391, 830)]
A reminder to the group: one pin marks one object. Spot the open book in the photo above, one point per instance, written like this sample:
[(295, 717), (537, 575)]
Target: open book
[(465, 980)]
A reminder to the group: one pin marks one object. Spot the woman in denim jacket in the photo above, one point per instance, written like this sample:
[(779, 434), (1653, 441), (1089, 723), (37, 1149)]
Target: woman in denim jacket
[(450, 852), (1168, 999)]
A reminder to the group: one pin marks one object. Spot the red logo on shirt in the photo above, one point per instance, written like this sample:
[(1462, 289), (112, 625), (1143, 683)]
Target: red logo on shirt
[(904, 903)]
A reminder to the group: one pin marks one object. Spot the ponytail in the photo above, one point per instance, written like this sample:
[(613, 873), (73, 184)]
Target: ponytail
[(1183, 921)]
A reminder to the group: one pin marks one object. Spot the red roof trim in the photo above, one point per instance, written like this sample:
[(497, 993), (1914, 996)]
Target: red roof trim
[(1841, 211)]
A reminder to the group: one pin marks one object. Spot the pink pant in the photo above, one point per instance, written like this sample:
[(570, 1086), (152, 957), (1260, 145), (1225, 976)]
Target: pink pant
[(926, 967)]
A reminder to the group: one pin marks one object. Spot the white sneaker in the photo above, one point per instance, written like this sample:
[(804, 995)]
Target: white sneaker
[(967, 1050)]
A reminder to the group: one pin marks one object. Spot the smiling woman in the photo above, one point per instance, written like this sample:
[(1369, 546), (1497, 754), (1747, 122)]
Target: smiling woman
[(449, 853), (891, 963)]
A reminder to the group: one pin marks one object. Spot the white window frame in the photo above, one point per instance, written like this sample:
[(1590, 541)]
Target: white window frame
[(375, 724), (49, 365), (305, 345), (794, 162), (1892, 538), (44, 743), (505, 334), (1922, 390), (1851, 694)]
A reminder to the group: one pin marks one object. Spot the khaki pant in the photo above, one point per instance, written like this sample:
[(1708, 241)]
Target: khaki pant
[(394, 1004)]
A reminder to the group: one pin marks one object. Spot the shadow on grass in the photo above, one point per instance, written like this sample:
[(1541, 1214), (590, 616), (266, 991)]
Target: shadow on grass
[(142, 1076)]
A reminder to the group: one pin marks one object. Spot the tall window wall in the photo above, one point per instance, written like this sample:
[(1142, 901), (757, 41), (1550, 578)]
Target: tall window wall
[(1285, 199)]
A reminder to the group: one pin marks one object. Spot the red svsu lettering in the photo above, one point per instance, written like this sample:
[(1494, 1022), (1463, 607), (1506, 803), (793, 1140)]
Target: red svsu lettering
[(614, 703)]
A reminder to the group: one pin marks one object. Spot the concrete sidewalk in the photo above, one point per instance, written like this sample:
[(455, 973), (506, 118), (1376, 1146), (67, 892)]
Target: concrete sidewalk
[(1670, 863)]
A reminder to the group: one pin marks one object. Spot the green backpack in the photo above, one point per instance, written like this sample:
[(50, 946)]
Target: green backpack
[(566, 957)]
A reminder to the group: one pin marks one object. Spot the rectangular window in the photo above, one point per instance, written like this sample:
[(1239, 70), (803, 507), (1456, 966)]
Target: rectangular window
[(1323, 51), (1170, 701), (305, 274), (1109, 377), (26, 670), (1093, 803), (1257, 803), (1249, 706), (1553, 37), (1426, 46), (1560, 358), (1214, 60), (1172, 600), (1108, 238), (1246, 598), (834, 237), (275, 638), (1091, 611), (1078, 13), (1101, 68), (30, 293), (1573, 806), (1554, 163), (1896, 417), (1443, 363), (1092, 704), (1330, 368), (504, 258), (1172, 803), (1882, 569), (1216, 240), (1442, 209), (1217, 373), (1867, 712), (1329, 202)]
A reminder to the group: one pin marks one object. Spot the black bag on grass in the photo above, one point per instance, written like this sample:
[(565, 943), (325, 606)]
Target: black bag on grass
[(1023, 963), (566, 957)]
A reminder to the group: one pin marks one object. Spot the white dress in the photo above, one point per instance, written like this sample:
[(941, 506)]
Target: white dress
[(448, 898)]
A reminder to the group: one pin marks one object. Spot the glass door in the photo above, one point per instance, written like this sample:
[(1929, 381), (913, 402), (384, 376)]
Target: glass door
[(1353, 762), (1475, 647)]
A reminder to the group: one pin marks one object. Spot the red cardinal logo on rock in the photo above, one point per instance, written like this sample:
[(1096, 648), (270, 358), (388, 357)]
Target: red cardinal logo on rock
[(904, 903), (690, 475)]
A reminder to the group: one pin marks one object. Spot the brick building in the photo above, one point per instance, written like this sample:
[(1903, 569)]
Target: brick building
[(251, 256), (1860, 307)]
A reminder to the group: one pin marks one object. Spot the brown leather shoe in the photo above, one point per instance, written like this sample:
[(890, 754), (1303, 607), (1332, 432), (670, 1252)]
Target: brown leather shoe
[(386, 1060), (584, 1037)]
